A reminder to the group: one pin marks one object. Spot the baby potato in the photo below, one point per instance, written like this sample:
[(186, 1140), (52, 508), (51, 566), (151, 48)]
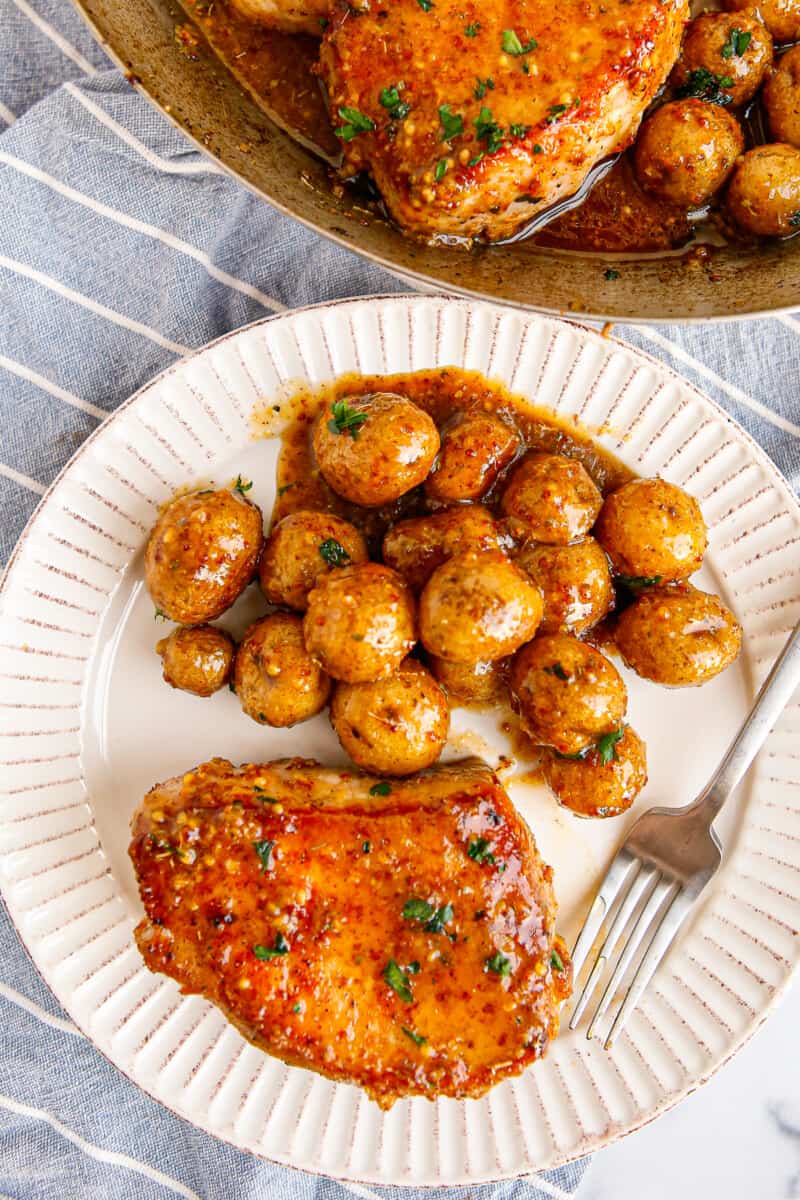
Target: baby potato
[(475, 448), (478, 606), (575, 583), (197, 658), (734, 46), (763, 196), (651, 529), (782, 99), (201, 554), (472, 683), (417, 546), (781, 17), (392, 726), (678, 636), (373, 449), (361, 622), (602, 782), (552, 497), (277, 681), (567, 694), (301, 548), (686, 150)]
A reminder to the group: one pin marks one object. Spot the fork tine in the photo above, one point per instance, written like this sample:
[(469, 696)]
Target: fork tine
[(676, 910), (628, 903), (652, 904), (615, 877)]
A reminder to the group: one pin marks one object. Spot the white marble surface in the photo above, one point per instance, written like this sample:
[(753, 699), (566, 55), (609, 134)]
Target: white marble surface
[(738, 1137)]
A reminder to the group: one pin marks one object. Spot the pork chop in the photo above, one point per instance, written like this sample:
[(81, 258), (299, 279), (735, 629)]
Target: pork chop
[(473, 118), (291, 16), (396, 935)]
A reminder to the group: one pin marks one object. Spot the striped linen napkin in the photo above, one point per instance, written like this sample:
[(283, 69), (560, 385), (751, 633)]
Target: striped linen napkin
[(121, 249)]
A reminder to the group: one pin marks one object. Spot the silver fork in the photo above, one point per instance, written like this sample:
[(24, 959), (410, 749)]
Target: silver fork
[(666, 861)]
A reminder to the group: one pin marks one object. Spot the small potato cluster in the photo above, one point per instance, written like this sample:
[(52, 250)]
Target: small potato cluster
[(488, 594), (693, 146)]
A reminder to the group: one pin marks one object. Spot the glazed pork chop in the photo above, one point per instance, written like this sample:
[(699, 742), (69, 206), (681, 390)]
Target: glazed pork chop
[(395, 935), (472, 118)]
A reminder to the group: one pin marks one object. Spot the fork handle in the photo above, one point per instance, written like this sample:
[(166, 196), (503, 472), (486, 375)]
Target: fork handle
[(775, 693)]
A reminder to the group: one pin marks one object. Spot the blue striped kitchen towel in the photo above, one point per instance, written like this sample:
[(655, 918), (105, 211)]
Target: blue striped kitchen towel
[(122, 248)]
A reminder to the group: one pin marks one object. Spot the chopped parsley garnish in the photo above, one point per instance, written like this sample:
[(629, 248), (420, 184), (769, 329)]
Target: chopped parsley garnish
[(159, 615), (346, 419), (471, 31), (499, 964), (556, 111), (480, 851), (262, 795), (398, 108), (638, 581), (425, 5), (537, 149), (483, 86), (242, 486), (737, 43), (439, 919), (323, 22), (297, 1007), (366, 847), (264, 852), (441, 170), (412, 968), (384, 788), (415, 1037), (355, 122), (397, 980), (705, 85), (794, 219), (452, 123), (280, 948), (519, 131), (513, 45), (607, 745), (434, 919), (334, 553), (284, 488), (557, 670), (556, 961), (487, 130)]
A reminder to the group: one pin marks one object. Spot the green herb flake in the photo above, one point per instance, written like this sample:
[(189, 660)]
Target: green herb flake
[(482, 86), (264, 852), (366, 847), (334, 553), (323, 22), (737, 43), (610, 274), (499, 965), (284, 488), (705, 85), (471, 31), (556, 111), (412, 968), (262, 796), (296, 1008), (556, 961), (480, 851), (452, 123), (384, 788), (519, 131), (397, 980), (415, 1037), (355, 122), (390, 98), (607, 745), (159, 615), (557, 670), (513, 45), (345, 419), (487, 130), (638, 581), (537, 149), (425, 5), (417, 910), (441, 170), (439, 919), (242, 486), (280, 947), (794, 219)]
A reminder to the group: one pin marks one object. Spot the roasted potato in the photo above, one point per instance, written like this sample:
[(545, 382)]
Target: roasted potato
[(478, 606), (652, 530), (566, 692), (361, 622), (781, 97), (276, 679), (476, 447), (605, 780), (417, 546), (393, 726), (372, 449), (301, 548), (575, 583), (781, 17), (201, 554), (686, 150), (678, 636), (763, 195), (197, 658), (472, 682), (734, 47), (551, 499)]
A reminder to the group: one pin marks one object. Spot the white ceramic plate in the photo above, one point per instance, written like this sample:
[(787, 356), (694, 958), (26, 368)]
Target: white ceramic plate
[(86, 727)]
